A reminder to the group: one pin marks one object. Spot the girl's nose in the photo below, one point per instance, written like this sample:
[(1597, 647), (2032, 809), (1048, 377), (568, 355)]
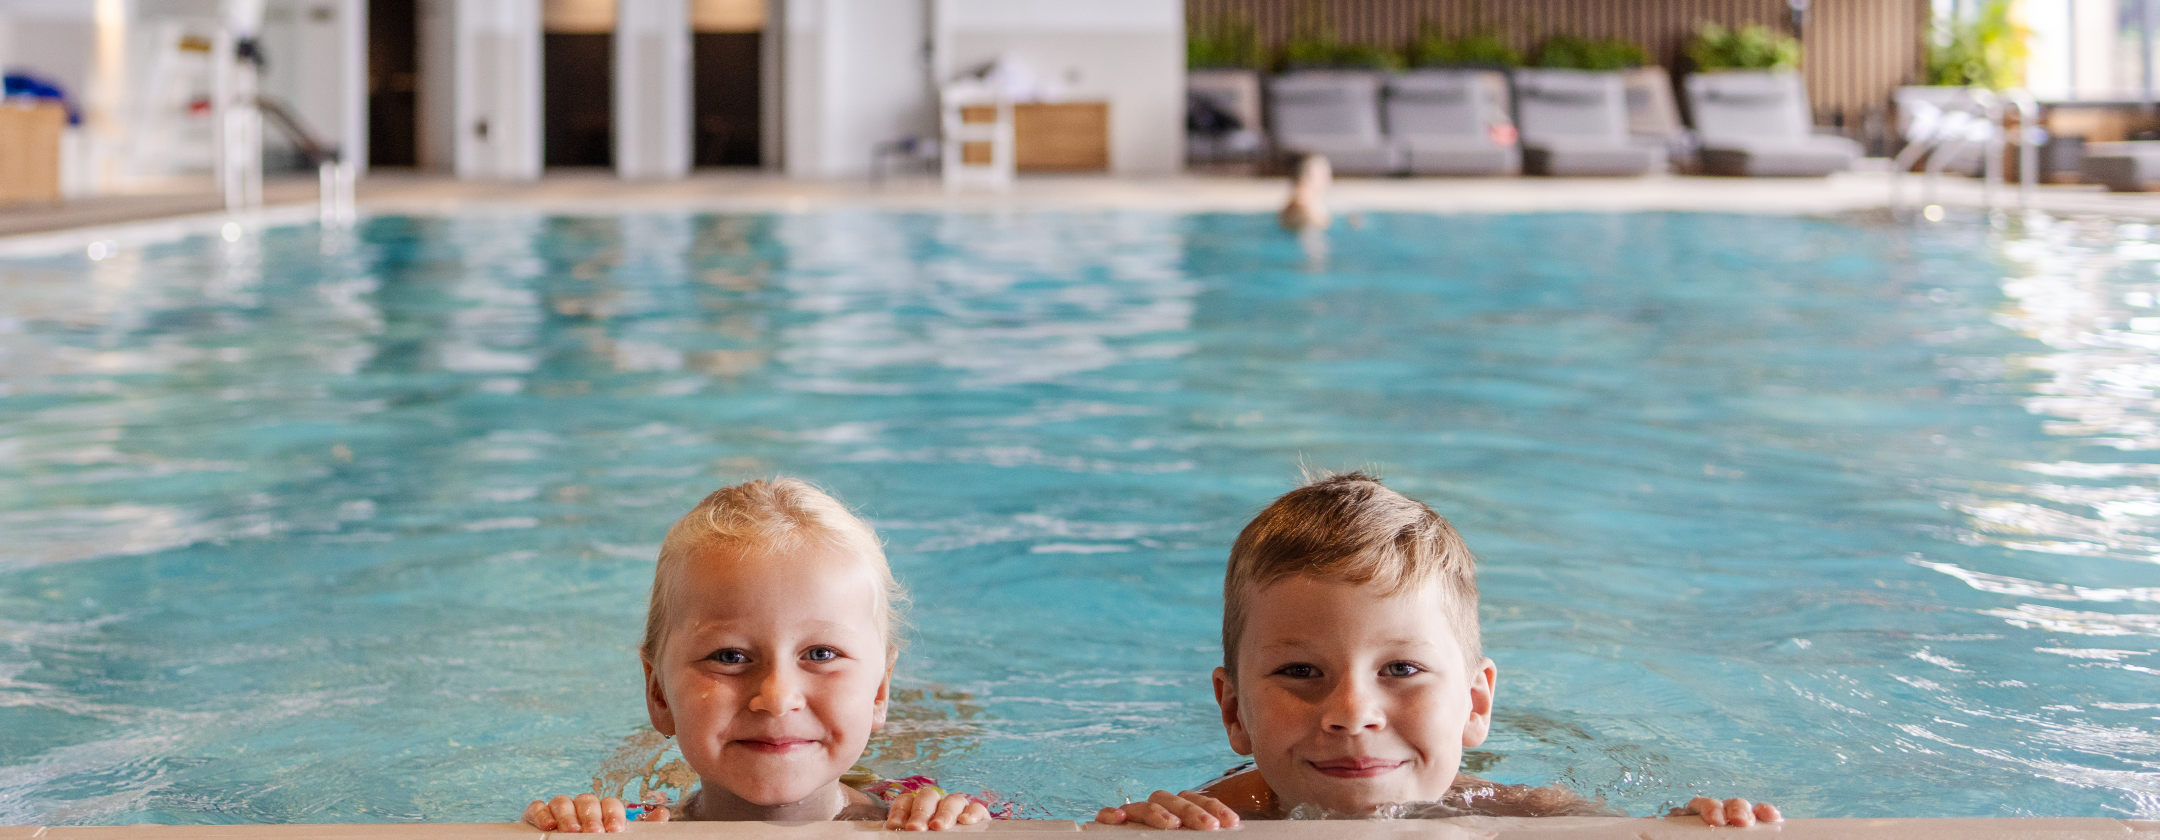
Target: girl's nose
[(779, 693), (1352, 707)]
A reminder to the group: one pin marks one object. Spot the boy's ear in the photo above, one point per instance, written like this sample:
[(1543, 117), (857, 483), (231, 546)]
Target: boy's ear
[(656, 706), (1482, 683), (883, 703), (1233, 723)]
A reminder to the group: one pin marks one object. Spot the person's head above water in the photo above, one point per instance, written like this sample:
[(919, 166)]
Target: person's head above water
[(1352, 671), (780, 516), (769, 646)]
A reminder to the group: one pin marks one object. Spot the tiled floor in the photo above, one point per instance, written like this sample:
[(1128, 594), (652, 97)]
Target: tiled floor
[(589, 191), (1471, 828)]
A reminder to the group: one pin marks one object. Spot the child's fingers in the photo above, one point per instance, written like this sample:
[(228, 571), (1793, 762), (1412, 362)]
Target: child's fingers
[(1111, 816), (896, 816), (914, 811), (1151, 815), (974, 813), (948, 811), (1766, 812), (1189, 813), (1739, 812), (655, 813), (1222, 813), (565, 811), (538, 816), (1711, 810), (612, 816)]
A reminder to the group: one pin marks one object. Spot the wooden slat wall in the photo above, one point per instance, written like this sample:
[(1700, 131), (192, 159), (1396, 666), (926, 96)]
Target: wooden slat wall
[(1855, 51)]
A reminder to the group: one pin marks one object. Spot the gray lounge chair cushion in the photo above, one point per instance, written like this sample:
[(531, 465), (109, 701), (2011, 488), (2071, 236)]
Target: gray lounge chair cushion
[(1565, 158), (1758, 123), (1332, 113), (1809, 157), (1574, 122), (2124, 167), (1445, 121)]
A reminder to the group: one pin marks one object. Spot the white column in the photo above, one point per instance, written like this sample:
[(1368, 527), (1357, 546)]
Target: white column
[(652, 88), (497, 97)]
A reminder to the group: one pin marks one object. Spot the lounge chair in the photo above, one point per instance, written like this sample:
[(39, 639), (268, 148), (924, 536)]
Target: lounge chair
[(1222, 114), (1574, 122), (2128, 166), (1452, 122), (1335, 113), (1653, 117), (1757, 123)]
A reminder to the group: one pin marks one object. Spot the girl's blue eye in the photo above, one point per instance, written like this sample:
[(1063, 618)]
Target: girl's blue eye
[(728, 656), (1298, 671), (821, 654), (1400, 669)]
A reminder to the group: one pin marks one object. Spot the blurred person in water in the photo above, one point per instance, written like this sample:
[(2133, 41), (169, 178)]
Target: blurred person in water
[(769, 650), (1354, 677)]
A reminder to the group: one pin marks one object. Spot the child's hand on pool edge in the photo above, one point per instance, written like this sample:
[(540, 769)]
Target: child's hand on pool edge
[(1163, 809), (925, 810), (586, 813), (1734, 812)]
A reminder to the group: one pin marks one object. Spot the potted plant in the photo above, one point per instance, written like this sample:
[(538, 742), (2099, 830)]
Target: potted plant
[(1433, 49), (1755, 47), (1567, 52)]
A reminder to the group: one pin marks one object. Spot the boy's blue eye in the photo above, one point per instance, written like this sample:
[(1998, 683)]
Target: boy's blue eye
[(728, 656), (1400, 669), (1298, 671), (821, 654)]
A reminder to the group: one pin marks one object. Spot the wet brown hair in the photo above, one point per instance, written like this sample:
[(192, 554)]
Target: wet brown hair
[(1349, 527)]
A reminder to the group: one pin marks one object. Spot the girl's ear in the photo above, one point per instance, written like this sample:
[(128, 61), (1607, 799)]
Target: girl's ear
[(884, 697), (1482, 683), (656, 705), (1233, 721)]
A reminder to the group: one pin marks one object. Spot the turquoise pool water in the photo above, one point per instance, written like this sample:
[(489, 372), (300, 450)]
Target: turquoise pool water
[(1853, 517)]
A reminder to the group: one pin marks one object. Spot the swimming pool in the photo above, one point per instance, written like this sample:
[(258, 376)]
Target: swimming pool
[(1859, 518)]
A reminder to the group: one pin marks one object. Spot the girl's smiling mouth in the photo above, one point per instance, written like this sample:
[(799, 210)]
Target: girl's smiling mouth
[(1357, 768)]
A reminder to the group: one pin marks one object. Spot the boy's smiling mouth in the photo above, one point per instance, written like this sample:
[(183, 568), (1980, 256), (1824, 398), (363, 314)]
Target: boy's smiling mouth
[(777, 746), (1356, 768)]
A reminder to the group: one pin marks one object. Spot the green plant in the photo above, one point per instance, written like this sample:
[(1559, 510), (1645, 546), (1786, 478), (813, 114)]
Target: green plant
[(1755, 47), (1433, 49), (1570, 52), (1225, 41), (1987, 50), (1314, 46)]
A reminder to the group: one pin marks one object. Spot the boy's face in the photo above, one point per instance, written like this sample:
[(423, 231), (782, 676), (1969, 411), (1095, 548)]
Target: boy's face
[(1349, 700), (773, 673)]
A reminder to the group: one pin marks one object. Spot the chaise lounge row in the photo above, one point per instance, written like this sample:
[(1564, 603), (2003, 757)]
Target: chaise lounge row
[(1545, 122)]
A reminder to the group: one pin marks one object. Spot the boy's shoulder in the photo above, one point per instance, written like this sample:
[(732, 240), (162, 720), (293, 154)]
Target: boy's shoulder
[(1244, 791)]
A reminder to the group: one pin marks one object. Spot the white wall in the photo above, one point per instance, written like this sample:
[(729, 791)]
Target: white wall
[(316, 62), (496, 97), (854, 73), (54, 39), (1128, 52), (652, 88)]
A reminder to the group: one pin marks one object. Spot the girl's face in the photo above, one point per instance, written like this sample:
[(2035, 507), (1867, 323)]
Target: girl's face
[(773, 673)]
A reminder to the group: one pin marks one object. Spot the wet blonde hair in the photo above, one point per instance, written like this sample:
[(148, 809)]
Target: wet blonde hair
[(775, 517), (1349, 527)]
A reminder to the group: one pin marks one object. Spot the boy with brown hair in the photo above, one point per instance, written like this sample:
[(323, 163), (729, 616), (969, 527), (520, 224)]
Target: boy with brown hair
[(1353, 674)]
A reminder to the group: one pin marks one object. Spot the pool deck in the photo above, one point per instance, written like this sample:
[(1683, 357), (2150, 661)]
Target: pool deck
[(1465, 828), (598, 191)]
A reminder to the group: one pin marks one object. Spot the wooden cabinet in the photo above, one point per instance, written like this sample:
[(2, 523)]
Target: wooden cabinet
[(1061, 137), (30, 151)]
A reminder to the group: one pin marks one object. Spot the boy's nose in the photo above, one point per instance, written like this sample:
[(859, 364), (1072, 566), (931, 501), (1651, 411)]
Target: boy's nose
[(1352, 707), (778, 693)]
